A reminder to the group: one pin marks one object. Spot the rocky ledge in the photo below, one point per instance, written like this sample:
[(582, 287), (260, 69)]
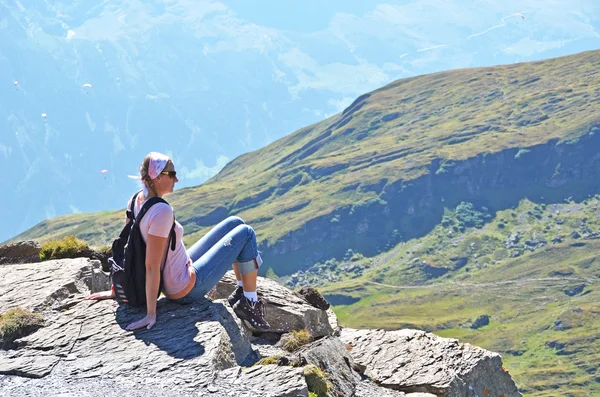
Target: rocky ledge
[(203, 349)]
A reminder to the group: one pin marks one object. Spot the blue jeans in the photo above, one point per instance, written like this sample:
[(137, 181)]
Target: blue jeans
[(228, 242)]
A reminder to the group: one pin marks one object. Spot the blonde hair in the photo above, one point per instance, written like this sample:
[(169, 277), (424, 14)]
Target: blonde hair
[(146, 177)]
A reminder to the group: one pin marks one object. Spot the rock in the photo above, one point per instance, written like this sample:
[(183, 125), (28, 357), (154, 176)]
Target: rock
[(370, 389), (331, 356), (285, 311), (82, 339), (459, 262), (313, 297), (512, 240), (481, 321), (100, 280), (333, 321), (45, 286), (20, 252), (203, 349), (259, 381), (391, 359), (575, 290), (555, 345), (560, 325)]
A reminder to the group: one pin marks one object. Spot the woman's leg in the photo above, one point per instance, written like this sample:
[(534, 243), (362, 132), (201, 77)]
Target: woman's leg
[(239, 244), (215, 234)]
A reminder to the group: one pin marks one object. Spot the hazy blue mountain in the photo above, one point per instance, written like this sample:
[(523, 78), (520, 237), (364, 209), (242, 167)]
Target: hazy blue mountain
[(206, 81)]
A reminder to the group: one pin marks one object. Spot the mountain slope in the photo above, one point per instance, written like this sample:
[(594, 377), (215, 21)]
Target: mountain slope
[(525, 283), (378, 170)]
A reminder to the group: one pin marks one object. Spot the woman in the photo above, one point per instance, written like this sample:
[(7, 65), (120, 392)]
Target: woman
[(189, 275)]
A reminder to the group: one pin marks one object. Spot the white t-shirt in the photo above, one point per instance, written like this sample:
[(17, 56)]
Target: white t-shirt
[(158, 221)]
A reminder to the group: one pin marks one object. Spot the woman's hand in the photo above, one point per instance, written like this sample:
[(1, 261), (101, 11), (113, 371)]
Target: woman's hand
[(96, 296), (147, 322)]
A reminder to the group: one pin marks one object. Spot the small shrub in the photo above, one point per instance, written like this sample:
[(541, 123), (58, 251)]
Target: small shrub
[(447, 220), (68, 247), (16, 323), (296, 339), (501, 225), (468, 216), (349, 254)]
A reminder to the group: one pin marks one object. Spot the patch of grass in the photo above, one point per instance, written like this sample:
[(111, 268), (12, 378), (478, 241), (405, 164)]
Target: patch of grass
[(16, 323), (67, 247), (296, 339)]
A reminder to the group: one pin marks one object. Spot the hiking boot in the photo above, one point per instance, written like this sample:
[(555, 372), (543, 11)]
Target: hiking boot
[(235, 296), (253, 312)]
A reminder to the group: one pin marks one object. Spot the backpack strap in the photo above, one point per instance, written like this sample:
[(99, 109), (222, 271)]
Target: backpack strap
[(149, 203), (172, 235), (129, 212)]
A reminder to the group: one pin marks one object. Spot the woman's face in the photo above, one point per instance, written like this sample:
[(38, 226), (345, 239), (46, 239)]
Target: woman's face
[(167, 178)]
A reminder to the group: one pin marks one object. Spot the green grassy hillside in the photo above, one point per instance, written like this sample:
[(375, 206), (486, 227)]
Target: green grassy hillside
[(540, 291)]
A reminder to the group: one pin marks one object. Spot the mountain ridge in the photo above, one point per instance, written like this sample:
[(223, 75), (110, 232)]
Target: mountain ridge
[(388, 137)]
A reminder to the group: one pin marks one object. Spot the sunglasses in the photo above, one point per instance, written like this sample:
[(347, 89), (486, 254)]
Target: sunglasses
[(172, 174)]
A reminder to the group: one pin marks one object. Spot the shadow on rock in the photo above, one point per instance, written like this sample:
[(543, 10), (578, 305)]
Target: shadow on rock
[(184, 330), (175, 330)]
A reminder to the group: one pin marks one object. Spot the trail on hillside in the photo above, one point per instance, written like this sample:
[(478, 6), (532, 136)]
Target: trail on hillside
[(525, 281)]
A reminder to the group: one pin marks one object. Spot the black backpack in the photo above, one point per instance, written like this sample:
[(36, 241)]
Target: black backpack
[(128, 261)]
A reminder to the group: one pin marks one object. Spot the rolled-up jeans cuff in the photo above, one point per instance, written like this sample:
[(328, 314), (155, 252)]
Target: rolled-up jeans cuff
[(250, 266)]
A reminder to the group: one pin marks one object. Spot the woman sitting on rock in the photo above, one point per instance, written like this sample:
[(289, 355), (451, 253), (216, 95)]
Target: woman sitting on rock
[(189, 274)]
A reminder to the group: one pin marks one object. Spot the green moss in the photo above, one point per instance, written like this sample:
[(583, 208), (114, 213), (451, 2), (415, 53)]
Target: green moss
[(67, 247), (16, 323), (316, 380), (268, 360)]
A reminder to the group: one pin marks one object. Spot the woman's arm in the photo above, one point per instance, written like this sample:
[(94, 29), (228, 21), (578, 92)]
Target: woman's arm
[(155, 248), (101, 295)]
